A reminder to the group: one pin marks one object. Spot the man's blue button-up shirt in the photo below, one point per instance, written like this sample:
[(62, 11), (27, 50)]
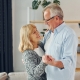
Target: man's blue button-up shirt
[(63, 47)]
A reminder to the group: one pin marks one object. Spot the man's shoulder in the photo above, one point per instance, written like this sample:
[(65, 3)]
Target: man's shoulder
[(68, 30)]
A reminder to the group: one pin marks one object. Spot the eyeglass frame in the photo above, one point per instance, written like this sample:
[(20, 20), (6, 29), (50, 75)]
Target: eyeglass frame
[(49, 19)]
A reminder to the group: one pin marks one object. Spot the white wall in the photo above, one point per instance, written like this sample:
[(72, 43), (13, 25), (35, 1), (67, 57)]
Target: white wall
[(71, 10)]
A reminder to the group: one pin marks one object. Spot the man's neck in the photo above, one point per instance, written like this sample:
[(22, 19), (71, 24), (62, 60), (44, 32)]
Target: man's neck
[(61, 21)]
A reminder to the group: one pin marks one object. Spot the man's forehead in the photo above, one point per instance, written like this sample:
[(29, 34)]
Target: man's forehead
[(47, 12)]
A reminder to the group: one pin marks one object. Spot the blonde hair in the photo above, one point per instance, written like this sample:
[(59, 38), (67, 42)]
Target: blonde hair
[(55, 9), (25, 32)]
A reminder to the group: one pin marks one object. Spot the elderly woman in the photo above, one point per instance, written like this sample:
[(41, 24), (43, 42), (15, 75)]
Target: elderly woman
[(32, 52)]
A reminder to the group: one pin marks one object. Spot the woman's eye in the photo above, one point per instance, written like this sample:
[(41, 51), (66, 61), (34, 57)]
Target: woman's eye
[(34, 32)]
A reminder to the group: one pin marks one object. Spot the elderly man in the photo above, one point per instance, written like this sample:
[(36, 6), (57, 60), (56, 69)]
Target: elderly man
[(60, 44)]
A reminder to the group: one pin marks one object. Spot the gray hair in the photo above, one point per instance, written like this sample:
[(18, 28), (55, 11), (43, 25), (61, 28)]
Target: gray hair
[(55, 9)]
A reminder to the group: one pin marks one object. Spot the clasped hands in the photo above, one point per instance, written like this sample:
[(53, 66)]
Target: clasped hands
[(48, 60)]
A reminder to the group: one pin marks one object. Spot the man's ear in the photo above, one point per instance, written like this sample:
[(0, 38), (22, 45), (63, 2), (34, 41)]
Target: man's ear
[(57, 18)]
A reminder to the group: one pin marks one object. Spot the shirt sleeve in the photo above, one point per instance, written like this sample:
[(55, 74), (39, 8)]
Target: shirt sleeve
[(33, 64), (70, 51)]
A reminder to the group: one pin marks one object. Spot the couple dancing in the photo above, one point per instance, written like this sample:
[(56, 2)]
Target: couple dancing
[(53, 57)]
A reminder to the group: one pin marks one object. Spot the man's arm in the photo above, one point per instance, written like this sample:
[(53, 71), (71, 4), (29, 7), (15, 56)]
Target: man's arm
[(51, 61)]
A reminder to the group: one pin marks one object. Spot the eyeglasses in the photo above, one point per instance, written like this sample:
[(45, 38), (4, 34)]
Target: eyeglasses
[(49, 19)]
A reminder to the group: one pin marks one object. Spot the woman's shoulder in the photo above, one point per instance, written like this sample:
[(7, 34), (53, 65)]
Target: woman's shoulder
[(29, 53), (30, 56)]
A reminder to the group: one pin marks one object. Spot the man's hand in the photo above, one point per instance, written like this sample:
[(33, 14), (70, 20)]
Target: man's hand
[(51, 61)]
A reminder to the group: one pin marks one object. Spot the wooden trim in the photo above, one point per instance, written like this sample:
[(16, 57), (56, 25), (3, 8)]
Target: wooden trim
[(77, 69), (36, 21), (41, 21), (72, 21)]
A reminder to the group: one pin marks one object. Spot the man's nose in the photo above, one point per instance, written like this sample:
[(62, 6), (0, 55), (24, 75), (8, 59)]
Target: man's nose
[(45, 22)]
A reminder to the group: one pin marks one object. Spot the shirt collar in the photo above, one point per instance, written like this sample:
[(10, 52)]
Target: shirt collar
[(59, 28)]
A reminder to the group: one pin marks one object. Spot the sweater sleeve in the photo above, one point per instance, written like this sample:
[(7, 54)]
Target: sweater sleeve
[(33, 63)]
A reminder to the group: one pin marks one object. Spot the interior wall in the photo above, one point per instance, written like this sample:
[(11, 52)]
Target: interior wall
[(71, 9)]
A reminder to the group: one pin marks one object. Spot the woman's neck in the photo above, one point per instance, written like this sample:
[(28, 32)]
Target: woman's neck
[(35, 45)]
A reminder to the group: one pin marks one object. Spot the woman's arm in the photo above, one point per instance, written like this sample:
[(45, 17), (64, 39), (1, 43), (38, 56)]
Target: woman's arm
[(33, 63)]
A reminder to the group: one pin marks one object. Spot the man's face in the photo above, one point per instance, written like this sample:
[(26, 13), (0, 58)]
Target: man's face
[(52, 22)]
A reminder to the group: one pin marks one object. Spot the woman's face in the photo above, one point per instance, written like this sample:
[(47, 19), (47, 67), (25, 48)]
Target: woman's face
[(35, 36)]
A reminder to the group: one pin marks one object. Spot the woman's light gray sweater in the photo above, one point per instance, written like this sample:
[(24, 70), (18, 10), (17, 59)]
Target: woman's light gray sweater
[(34, 66)]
